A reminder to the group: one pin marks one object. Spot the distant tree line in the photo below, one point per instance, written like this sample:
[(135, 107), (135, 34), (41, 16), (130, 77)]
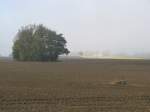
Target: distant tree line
[(38, 43)]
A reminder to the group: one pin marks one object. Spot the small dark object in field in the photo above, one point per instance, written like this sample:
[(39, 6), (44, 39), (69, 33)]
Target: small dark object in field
[(121, 82)]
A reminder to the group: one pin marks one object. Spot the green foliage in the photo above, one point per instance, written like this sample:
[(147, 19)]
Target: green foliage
[(38, 43)]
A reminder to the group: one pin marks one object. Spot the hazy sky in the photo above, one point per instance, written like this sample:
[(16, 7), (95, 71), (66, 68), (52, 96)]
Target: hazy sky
[(88, 25)]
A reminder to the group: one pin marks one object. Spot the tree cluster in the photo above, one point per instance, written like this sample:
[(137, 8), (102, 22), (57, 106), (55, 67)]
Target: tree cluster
[(38, 43)]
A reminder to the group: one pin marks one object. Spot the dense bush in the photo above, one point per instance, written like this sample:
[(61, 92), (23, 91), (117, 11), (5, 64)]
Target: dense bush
[(38, 43)]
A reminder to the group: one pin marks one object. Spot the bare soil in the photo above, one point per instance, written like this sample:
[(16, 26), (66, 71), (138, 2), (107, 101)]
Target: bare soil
[(75, 86)]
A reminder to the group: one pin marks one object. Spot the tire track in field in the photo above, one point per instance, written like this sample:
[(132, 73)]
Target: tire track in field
[(100, 103)]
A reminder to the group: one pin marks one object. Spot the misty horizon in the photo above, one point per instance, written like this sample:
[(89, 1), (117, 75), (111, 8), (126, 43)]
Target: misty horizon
[(120, 27)]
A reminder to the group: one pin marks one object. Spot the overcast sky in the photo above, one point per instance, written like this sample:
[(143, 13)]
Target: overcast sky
[(88, 25)]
